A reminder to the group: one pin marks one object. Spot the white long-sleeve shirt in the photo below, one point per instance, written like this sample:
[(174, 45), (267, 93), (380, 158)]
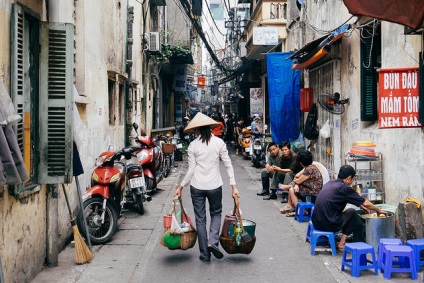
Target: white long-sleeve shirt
[(203, 164)]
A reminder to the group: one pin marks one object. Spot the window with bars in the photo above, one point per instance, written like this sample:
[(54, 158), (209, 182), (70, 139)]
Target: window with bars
[(321, 80), (41, 89)]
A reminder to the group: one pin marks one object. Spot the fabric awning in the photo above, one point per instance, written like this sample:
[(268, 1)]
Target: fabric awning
[(317, 49), (307, 48), (409, 13)]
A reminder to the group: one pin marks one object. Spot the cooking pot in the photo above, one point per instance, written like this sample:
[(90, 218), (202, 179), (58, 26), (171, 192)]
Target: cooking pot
[(378, 227)]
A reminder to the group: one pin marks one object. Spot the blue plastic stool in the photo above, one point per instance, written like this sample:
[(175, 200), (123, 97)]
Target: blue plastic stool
[(417, 246), (384, 242), (301, 208), (309, 231), (389, 252), (315, 238), (359, 261)]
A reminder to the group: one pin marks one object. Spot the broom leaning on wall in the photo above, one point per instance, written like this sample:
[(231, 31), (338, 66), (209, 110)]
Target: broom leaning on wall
[(82, 252)]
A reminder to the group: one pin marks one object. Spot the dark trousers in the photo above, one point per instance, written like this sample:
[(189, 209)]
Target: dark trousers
[(351, 223), (198, 198), (281, 177)]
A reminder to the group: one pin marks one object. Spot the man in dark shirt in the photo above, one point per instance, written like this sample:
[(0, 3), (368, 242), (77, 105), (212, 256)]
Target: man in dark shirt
[(329, 213), (268, 172), (285, 170)]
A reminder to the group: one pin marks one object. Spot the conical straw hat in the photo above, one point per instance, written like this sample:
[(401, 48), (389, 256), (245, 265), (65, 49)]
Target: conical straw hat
[(200, 120)]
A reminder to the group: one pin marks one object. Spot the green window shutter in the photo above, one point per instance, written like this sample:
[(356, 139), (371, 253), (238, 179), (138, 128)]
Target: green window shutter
[(56, 103), (368, 80), (17, 69)]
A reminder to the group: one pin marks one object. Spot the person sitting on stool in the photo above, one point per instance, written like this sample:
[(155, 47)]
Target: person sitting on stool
[(330, 213), (268, 172), (284, 170)]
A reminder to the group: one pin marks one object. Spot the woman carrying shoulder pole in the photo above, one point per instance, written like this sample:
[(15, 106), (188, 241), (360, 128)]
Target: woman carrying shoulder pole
[(204, 177)]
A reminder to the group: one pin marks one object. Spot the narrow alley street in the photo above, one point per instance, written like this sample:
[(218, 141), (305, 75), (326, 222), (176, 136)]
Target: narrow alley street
[(280, 255)]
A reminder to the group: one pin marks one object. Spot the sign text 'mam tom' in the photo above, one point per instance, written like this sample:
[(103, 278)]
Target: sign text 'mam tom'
[(398, 98)]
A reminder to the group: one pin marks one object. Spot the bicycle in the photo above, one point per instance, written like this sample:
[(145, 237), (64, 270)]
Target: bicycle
[(168, 155)]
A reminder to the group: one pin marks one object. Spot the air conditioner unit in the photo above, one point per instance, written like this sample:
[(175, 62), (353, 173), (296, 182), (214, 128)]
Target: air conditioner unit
[(154, 41)]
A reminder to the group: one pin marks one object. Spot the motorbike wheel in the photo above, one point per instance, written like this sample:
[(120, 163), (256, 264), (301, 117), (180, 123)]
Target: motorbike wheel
[(257, 162), (99, 233), (166, 167), (138, 199), (149, 184)]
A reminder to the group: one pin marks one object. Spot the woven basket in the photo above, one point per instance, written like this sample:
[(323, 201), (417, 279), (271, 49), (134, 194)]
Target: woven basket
[(188, 240), (168, 148), (229, 245)]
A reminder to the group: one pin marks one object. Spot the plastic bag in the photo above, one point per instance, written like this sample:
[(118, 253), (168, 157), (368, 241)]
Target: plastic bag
[(7, 110), (298, 144), (175, 226), (325, 131)]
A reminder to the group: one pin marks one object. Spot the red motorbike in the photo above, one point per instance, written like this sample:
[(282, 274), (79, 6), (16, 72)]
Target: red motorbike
[(102, 202), (150, 157)]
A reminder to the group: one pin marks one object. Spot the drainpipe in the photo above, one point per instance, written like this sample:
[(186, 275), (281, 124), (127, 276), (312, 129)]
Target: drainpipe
[(127, 82)]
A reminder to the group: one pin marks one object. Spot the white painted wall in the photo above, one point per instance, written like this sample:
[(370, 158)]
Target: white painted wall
[(100, 35), (402, 149)]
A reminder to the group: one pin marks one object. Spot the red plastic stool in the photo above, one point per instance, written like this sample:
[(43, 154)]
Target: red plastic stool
[(359, 261)]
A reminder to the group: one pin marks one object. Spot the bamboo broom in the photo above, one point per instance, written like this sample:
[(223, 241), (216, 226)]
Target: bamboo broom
[(82, 252)]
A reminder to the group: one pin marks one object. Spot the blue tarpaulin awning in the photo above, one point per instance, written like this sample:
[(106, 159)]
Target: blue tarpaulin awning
[(283, 96)]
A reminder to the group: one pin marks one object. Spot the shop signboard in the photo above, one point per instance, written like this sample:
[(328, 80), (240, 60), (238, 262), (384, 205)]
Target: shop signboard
[(265, 35), (398, 98), (256, 102)]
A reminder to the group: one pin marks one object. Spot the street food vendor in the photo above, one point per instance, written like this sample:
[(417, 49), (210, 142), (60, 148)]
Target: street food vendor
[(330, 213)]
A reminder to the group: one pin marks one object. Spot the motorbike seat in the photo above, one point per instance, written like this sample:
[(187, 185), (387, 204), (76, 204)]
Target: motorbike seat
[(127, 152), (120, 166), (133, 166)]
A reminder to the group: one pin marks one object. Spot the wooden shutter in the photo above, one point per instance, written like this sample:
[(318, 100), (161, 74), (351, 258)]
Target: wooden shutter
[(56, 103), (368, 80), (17, 69)]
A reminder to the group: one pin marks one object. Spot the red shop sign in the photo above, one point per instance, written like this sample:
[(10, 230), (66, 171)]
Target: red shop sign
[(398, 98)]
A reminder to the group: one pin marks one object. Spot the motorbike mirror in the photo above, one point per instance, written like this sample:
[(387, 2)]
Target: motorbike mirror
[(135, 126)]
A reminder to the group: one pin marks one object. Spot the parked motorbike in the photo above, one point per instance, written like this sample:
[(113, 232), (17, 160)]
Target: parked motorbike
[(150, 157), (246, 138), (260, 149), (257, 149), (102, 202), (135, 189), (178, 151)]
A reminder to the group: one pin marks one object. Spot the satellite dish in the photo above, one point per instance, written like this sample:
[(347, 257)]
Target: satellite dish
[(332, 103)]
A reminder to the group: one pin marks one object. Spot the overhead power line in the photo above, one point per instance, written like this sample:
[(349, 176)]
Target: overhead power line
[(210, 13), (198, 27)]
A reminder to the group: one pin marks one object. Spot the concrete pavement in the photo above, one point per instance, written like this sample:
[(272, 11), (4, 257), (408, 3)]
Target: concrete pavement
[(280, 255)]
